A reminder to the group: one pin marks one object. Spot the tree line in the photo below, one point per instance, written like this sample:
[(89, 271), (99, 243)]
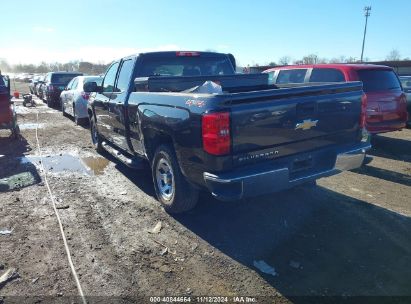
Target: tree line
[(44, 67), (393, 55)]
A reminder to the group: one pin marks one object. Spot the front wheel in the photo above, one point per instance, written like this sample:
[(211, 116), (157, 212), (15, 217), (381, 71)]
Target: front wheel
[(95, 136), (173, 191)]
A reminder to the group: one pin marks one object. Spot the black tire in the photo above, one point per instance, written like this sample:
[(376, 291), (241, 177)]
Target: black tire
[(49, 103), (78, 121), (184, 196), (95, 136), (75, 118), (15, 132), (62, 109)]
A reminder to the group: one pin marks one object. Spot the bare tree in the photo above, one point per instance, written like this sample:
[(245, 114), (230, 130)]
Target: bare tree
[(353, 59), (272, 63), (310, 59), (285, 60), (394, 55)]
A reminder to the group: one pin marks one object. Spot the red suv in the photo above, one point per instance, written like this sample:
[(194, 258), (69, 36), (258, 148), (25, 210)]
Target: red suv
[(386, 101)]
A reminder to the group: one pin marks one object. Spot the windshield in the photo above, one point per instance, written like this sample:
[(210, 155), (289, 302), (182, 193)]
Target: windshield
[(187, 66), (378, 80)]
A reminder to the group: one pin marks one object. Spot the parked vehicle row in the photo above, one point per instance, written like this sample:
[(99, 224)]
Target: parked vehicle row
[(201, 126), (386, 101)]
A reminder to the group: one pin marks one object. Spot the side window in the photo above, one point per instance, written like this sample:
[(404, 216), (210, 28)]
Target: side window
[(68, 86), (110, 78), (74, 85), (291, 76), (125, 74), (326, 75)]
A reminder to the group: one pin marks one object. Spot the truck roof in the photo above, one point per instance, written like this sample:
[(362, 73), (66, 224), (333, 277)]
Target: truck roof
[(340, 66), (177, 53)]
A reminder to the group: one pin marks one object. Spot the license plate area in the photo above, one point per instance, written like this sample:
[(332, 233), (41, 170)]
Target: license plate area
[(302, 163)]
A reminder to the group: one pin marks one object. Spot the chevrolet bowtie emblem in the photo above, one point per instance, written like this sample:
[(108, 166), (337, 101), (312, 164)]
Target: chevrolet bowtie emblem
[(306, 124)]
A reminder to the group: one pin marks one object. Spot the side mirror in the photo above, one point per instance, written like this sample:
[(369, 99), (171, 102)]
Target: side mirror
[(92, 86)]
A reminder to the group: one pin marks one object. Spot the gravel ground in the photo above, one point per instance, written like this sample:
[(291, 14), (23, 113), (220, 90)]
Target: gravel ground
[(349, 236)]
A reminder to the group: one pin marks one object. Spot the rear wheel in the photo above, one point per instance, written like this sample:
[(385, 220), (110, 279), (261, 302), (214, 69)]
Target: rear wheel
[(173, 191), (95, 136), (49, 102), (75, 117), (15, 132), (63, 110)]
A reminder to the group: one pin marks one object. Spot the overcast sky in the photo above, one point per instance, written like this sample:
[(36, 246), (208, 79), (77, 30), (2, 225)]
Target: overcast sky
[(257, 31)]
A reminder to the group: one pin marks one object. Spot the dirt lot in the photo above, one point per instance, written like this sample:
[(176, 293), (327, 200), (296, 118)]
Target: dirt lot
[(349, 236)]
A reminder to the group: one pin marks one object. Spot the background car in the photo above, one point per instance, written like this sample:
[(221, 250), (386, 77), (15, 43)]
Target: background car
[(40, 87), (55, 83), (406, 85), (74, 99), (386, 101), (33, 84)]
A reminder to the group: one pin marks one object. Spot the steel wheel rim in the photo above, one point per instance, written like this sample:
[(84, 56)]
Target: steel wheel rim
[(165, 179)]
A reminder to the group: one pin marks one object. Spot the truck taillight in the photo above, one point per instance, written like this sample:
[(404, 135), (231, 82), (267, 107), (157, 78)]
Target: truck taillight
[(216, 133), (363, 115), (85, 95), (187, 54)]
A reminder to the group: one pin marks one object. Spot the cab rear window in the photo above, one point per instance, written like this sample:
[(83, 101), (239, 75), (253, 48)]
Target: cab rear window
[(63, 78), (291, 76), (326, 75), (378, 80), (186, 66)]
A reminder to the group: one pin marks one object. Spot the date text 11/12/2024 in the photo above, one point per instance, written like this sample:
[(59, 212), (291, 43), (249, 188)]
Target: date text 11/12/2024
[(203, 299)]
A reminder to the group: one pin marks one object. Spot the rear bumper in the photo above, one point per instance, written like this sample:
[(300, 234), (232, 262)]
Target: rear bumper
[(272, 178), (386, 126), (54, 96)]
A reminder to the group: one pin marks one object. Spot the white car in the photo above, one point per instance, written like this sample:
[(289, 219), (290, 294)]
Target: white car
[(74, 100)]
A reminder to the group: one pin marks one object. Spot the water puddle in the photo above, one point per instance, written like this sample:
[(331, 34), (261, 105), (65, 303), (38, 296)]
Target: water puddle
[(67, 163), (30, 126), (96, 164)]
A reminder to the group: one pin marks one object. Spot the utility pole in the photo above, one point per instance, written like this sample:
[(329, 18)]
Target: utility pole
[(367, 13)]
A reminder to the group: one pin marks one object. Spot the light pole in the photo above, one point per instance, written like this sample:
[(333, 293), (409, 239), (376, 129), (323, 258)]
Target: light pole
[(367, 13)]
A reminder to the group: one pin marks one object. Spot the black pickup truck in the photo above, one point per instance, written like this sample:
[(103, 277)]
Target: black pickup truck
[(201, 126)]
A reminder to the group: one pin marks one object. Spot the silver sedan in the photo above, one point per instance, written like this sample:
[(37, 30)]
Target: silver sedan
[(74, 99)]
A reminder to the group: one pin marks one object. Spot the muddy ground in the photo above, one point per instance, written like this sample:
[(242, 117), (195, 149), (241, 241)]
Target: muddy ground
[(349, 236)]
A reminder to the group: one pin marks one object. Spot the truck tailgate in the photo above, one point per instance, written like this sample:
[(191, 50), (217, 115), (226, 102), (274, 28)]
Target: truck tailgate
[(293, 120)]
